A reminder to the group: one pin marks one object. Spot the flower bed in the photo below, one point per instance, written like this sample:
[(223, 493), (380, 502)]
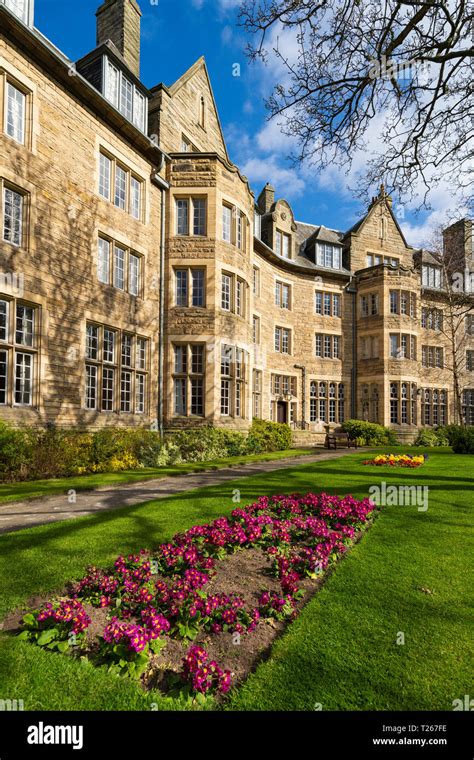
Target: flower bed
[(397, 460), (227, 587)]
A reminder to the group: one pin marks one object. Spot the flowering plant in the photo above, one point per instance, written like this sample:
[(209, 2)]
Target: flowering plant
[(397, 460), (202, 675), (56, 626)]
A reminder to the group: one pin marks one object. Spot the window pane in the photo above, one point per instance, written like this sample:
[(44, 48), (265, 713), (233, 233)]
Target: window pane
[(141, 353), (182, 217), (226, 223), (180, 359), (135, 198), (103, 261), (12, 216), (120, 187), (16, 105), (278, 243), (139, 110), (197, 396), (134, 275), (23, 379), (24, 325), (180, 395), (105, 170), (3, 376), (199, 218), (198, 287), (226, 359), (126, 97), (394, 346), (108, 376), (92, 342), (181, 287), (4, 320), (119, 268), (112, 84), (140, 394), (197, 360), (126, 350), (109, 346), (225, 398), (126, 392), (240, 237), (91, 387), (226, 292)]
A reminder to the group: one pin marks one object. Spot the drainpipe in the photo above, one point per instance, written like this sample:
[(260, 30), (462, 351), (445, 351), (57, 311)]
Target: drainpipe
[(303, 399), (353, 291), (161, 318)]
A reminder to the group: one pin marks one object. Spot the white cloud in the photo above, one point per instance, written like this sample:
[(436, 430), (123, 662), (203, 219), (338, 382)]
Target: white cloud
[(285, 180), (197, 4), (271, 139)]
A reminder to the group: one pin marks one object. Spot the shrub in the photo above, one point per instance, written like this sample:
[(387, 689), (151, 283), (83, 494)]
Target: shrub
[(437, 437), (268, 436), (461, 439), (369, 433), (204, 444), (16, 449), (34, 454)]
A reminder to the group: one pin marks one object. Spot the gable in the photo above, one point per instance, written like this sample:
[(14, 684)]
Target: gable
[(379, 233), (181, 114)]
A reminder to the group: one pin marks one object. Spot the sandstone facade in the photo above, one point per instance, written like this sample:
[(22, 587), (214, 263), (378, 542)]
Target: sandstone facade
[(261, 315)]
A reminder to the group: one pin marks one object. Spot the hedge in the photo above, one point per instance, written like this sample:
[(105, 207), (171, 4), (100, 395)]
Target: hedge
[(30, 454)]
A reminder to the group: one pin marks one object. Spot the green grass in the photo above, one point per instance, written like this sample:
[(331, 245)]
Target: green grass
[(341, 652), (34, 489)]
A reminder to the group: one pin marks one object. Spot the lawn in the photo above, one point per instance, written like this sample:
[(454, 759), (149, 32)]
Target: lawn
[(33, 489), (411, 573)]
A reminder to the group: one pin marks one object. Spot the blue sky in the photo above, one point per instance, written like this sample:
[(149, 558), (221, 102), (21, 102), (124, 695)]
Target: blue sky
[(177, 32)]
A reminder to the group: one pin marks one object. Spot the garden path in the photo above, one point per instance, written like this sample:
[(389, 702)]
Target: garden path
[(25, 514)]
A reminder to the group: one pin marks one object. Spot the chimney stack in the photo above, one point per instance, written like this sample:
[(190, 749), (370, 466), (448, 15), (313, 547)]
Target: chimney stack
[(266, 199), (119, 22)]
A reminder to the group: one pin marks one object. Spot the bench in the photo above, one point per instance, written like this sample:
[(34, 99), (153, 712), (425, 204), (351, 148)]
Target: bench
[(339, 439)]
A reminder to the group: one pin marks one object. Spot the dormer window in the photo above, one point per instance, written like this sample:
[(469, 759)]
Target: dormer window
[(328, 256), (21, 8), (124, 95), (283, 244), (431, 277)]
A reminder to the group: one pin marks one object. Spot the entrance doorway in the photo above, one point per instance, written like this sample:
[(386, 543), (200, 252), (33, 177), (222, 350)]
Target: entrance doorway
[(282, 411)]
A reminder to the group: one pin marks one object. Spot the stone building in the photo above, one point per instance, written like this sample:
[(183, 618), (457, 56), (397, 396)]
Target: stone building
[(143, 283)]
